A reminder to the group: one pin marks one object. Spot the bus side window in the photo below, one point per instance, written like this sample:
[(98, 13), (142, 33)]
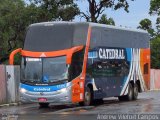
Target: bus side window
[(146, 68), (76, 65)]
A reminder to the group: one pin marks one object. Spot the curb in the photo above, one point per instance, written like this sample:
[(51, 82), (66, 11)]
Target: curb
[(10, 104), (155, 90), (4, 105), (73, 109)]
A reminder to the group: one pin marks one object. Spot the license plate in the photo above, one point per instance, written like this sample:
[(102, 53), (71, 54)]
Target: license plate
[(42, 99)]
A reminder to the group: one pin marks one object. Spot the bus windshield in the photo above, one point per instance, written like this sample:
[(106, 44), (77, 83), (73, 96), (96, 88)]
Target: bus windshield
[(44, 70)]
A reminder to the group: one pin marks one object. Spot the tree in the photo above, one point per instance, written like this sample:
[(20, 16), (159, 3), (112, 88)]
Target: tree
[(155, 10), (59, 10), (155, 53), (154, 7), (15, 18), (97, 7), (105, 20), (155, 43), (146, 24), (11, 26), (158, 26)]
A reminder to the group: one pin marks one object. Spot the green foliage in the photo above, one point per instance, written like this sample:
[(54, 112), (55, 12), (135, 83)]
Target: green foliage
[(64, 10), (155, 43), (155, 7), (155, 10), (12, 26), (146, 24), (155, 53), (17, 59), (68, 13), (105, 20), (158, 26)]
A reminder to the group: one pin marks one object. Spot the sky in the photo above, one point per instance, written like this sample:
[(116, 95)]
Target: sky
[(138, 10)]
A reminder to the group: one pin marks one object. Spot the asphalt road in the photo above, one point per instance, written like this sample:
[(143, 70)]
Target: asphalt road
[(147, 103)]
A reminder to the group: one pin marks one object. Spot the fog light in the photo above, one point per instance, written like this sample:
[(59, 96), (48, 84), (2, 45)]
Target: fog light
[(63, 90), (22, 90)]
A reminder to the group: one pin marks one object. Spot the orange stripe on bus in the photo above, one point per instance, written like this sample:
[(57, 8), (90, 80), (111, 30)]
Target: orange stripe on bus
[(11, 57), (26, 53), (145, 59), (78, 83)]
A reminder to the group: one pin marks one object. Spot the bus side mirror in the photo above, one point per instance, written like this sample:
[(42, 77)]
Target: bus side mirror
[(13, 53)]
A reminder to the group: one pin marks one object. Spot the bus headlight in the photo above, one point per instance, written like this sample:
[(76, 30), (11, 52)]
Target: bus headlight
[(63, 90), (22, 90)]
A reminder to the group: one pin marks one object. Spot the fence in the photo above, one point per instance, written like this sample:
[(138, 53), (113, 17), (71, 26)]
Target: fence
[(155, 79), (9, 84), (3, 88)]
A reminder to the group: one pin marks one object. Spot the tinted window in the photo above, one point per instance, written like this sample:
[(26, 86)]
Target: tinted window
[(108, 68), (49, 38), (146, 68), (76, 65)]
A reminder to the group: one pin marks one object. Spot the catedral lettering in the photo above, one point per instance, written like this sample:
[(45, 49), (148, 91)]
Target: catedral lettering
[(71, 62), (111, 53)]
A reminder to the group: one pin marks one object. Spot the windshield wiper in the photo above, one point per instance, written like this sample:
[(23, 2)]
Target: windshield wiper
[(29, 80), (60, 80), (24, 81)]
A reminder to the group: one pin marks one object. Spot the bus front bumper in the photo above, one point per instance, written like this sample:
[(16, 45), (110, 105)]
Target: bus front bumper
[(59, 96)]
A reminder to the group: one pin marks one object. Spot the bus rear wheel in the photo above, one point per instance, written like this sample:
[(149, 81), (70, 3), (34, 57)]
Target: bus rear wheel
[(129, 96), (135, 92), (43, 105)]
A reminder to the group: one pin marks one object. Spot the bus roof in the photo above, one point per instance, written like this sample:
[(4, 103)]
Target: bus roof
[(52, 36), (92, 25)]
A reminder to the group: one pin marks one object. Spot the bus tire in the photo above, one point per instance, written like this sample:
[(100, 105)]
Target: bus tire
[(129, 95), (43, 105), (88, 98), (135, 92)]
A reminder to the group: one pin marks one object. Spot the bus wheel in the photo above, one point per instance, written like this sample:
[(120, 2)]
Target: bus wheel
[(135, 92), (129, 96), (87, 98), (43, 105)]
